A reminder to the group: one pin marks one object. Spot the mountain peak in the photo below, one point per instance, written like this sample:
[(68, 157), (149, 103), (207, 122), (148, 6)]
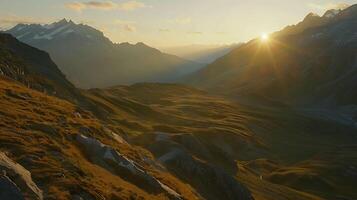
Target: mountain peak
[(331, 13), (311, 16), (62, 22), (62, 29), (141, 44)]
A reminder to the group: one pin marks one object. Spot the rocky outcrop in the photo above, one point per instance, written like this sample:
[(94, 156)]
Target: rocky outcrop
[(16, 181), (217, 183), (112, 160)]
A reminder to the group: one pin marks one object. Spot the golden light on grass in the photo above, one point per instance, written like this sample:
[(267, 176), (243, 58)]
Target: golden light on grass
[(264, 37)]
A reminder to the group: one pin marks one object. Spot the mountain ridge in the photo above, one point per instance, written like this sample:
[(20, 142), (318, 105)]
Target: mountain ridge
[(287, 66), (89, 59)]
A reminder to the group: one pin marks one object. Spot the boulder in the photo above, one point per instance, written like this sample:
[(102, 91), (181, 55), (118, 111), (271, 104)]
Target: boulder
[(19, 177), (112, 160), (9, 190)]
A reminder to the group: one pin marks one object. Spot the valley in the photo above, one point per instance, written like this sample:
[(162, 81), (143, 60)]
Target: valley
[(271, 119)]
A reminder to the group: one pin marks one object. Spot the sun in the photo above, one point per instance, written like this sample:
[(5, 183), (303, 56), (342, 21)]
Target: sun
[(264, 37)]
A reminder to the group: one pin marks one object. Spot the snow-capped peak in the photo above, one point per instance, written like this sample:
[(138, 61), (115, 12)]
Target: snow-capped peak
[(60, 29)]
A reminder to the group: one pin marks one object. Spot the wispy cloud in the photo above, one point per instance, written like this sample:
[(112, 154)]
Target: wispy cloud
[(11, 20), (131, 5), (328, 6), (106, 5), (129, 28), (126, 25)]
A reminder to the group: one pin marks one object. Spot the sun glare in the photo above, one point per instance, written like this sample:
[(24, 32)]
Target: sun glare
[(264, 37)]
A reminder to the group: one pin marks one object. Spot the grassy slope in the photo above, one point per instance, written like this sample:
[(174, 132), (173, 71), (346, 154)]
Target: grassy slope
[(38, 132), (43, 127), (230, 131)]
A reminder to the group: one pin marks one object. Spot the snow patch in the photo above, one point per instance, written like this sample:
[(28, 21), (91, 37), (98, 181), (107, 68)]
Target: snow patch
[(22, 35), (20, 28), (50, 35)]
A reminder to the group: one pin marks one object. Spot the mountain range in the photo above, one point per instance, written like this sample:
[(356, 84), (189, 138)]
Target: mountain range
[(272, 120), (313, 62), (89, 59)]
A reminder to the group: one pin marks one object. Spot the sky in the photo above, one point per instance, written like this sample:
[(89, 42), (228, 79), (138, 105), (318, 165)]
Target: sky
[(165, 23)]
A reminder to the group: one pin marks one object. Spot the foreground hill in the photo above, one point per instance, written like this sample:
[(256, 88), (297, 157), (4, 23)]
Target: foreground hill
[(89, 59), (311, 62), (53, 149), (66, 153)]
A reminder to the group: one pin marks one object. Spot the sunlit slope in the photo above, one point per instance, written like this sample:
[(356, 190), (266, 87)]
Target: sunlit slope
[(311, 62), (62, 147), (41, 133)]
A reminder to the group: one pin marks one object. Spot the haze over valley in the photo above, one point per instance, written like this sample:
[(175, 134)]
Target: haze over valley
[(178, 100)]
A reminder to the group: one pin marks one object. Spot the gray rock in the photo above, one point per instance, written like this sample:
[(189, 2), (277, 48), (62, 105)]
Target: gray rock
[(204, 177), (112, 160), (9, 190), (20, 177)]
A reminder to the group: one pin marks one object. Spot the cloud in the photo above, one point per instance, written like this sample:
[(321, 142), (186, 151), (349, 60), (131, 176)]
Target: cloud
[(328, 6), (126, 25), (129, 28), (11, 20), (130, 5), (107, 5)]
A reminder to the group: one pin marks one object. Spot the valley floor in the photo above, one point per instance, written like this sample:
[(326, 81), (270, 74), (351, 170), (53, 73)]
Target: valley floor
[(166, 141)]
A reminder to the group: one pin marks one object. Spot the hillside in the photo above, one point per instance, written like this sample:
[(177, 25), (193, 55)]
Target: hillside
[(188, 130), (52, 138), (91, 60), (311, 62), (54, 149), (33, 68)]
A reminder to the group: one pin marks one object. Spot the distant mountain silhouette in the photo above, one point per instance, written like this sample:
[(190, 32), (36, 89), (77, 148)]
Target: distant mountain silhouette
[(89, 59), (201, 53), (311, 62)]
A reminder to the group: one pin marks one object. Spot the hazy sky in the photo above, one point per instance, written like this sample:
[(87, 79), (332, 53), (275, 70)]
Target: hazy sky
[(169, 22)]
